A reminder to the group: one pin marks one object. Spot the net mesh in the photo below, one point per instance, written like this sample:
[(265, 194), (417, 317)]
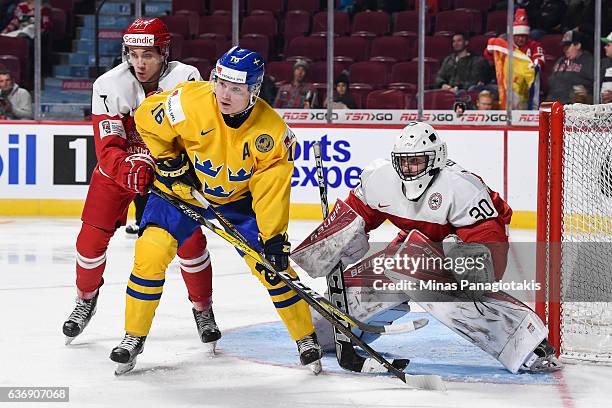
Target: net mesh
[(586, 271)]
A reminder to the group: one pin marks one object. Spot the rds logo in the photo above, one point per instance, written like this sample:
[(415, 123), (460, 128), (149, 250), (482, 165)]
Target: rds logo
[(19, 157)]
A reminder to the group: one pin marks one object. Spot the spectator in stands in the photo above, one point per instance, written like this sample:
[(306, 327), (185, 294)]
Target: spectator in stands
[(7, 8), (572, 77), (461, 70), (485, 100), (15, 102), (545, 16), (520, 31), (606, 71), (22, 23), (530, 47), (268, 90), (342, 96), (459, 108), (299, 93)]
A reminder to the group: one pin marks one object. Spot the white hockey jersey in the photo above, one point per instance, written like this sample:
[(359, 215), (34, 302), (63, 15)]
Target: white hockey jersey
[(118, 92), (456, 202), (116, 96), (455, 199)]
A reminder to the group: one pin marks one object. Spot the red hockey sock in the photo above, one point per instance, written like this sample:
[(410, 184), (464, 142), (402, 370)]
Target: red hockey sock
[(196, 269), (91, 259)]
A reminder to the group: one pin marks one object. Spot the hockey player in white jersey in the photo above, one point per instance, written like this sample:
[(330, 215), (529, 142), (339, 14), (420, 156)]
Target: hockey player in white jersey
[(443, 212), (125, 169)]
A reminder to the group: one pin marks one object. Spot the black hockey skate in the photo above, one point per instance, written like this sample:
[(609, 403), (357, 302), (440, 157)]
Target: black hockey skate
[(80, 317), (543, 359), (126, 352), (131, 231), (207, 328), (310, 352)]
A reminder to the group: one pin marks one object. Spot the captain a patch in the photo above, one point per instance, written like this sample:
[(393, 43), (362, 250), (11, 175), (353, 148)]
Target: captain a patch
[(264, 143)]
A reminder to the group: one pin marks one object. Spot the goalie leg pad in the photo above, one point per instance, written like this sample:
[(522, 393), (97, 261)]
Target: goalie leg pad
[(499, 324)]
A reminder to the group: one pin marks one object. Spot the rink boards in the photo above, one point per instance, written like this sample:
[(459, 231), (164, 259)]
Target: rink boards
[(45, 166)]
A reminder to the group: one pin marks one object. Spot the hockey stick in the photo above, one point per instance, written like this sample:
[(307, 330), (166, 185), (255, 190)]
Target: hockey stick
[(233, 236), (345, 351), (230, 228)]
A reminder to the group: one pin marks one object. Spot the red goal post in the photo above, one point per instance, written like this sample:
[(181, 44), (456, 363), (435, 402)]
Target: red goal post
[(574, 229)]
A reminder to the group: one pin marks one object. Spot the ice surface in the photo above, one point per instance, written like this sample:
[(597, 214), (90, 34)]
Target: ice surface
[(256, 364)]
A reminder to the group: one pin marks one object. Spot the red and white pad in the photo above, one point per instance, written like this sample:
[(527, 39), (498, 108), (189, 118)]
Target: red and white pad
[(341, 237), (498, 323)]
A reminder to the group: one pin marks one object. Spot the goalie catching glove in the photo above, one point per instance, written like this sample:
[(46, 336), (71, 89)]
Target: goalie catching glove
[(178, 175)]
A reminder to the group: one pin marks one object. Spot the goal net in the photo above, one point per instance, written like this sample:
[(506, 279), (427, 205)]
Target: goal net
[(575, 229)]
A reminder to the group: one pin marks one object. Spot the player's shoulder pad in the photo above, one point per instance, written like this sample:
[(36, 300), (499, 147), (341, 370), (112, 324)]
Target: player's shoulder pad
[(184, 98), (175, 102), (117, 80), (273, 129), (469, 195), (460, 179), (376, 175), (112, 89), (374, 168), (183, 72), (151, 107)]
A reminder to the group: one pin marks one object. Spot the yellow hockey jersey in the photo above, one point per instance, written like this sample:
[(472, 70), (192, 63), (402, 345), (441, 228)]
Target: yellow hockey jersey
[(255, 159)]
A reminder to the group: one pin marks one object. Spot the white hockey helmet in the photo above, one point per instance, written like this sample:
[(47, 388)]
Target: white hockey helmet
[(418, 155)]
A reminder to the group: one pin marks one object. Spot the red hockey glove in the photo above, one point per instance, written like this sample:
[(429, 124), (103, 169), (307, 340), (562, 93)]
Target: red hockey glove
[(137, 172)]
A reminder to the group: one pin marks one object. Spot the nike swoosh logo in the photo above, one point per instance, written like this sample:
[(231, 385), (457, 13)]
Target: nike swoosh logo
[(203, 133), (383, 206)]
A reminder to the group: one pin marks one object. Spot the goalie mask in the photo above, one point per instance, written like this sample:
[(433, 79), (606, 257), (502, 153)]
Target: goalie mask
[(240, 66), (418, 155)]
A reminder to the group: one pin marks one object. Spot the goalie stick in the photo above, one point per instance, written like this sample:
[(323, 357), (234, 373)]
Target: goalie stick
[(319, 303), (345, 351)]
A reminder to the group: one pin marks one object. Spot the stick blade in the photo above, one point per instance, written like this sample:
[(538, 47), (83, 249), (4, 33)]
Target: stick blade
[(405, 327)]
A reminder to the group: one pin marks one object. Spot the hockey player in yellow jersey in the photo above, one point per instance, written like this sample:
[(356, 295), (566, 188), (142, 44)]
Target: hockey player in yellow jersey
[(240, 153)]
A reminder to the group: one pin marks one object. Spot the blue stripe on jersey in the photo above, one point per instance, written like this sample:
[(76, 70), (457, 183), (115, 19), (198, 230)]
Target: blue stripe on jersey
[(143, 296), (288, 302), (279, 291), (149, 283)]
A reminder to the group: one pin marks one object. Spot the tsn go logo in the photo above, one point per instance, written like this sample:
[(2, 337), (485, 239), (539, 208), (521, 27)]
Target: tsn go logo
[(18, 159), (335, 176)]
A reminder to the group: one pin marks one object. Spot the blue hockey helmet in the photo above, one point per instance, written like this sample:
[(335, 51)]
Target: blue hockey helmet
[(241, 66)]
